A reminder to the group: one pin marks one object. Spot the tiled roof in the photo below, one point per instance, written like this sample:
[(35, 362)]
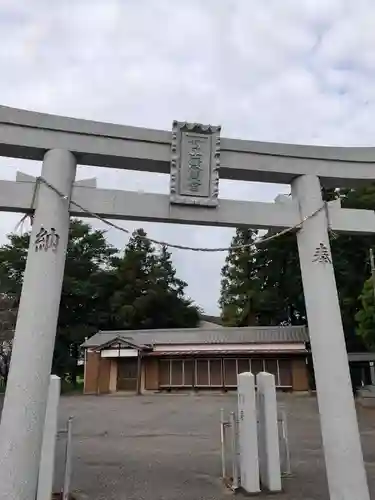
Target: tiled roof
[(211, 336), (226, 352)]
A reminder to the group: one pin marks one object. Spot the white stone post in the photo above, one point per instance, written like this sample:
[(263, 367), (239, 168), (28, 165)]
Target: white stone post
[(21, 429), (247, 433), (47, 460), (372, 372), (341, 441), (269, 453)]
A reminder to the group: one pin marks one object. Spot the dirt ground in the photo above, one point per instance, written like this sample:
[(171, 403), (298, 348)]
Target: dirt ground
[(167, 447)]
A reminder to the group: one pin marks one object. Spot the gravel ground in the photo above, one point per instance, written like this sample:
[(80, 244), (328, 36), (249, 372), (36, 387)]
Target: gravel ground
[(167, 447)]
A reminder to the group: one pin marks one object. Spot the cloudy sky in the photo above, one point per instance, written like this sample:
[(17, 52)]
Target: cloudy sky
[(271, 70)]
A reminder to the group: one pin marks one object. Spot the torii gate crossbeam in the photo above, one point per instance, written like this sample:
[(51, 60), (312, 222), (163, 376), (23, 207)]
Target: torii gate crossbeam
[(26, 134), (18, 196)]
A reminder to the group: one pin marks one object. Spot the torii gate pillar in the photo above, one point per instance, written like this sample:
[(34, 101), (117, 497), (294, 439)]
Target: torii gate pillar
[(341, 441), (21, 430)]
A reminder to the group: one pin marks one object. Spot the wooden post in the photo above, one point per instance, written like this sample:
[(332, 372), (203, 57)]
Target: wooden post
[(222, 374), (98, 373), (139, 373), (194, 373)]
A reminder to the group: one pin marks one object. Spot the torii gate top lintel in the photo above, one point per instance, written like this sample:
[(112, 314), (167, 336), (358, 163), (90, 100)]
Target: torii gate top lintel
[(28, 134)]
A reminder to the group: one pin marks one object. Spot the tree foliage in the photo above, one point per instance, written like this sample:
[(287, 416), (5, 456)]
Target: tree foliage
[(8, 315), (281, 283), (239, 300), (82, 308), (274, 286), (261, 285), (147, 293), (366, 315), (103, 290)]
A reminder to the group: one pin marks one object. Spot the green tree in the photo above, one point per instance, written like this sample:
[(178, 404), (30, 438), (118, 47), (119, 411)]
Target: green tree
[(365, 317), (240, 286), (278, 271), (132, 289), (277, 277), (262, 284), (101, 291), (351, 259), (8, 316), (12, 263), (172, 309), (147, 293), (85, 292)]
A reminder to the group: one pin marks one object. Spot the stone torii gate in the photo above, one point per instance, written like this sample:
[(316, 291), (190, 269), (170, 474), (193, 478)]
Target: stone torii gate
[(194, 155)]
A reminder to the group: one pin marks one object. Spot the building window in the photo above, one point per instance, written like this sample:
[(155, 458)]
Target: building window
[(243, 365), (216, 377), (271, 367), (177, 367), (208, 372), (188, 372), (285, 373), (230, 372), (164, 372), (202, 372), (256, 366)]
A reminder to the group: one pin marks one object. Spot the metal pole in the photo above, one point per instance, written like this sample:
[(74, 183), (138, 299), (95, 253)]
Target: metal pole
[(372, 264), (68, 461), (284, 430), (233, 425), (222, 444)]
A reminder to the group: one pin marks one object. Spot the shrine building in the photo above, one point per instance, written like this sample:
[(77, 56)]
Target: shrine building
[(204, 358)]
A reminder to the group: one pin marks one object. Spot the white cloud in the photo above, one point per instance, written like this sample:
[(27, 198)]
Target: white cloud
[(288, 71)]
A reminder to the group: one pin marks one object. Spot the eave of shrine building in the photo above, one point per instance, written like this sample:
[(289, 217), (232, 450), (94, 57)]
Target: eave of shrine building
[(122, 343)]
